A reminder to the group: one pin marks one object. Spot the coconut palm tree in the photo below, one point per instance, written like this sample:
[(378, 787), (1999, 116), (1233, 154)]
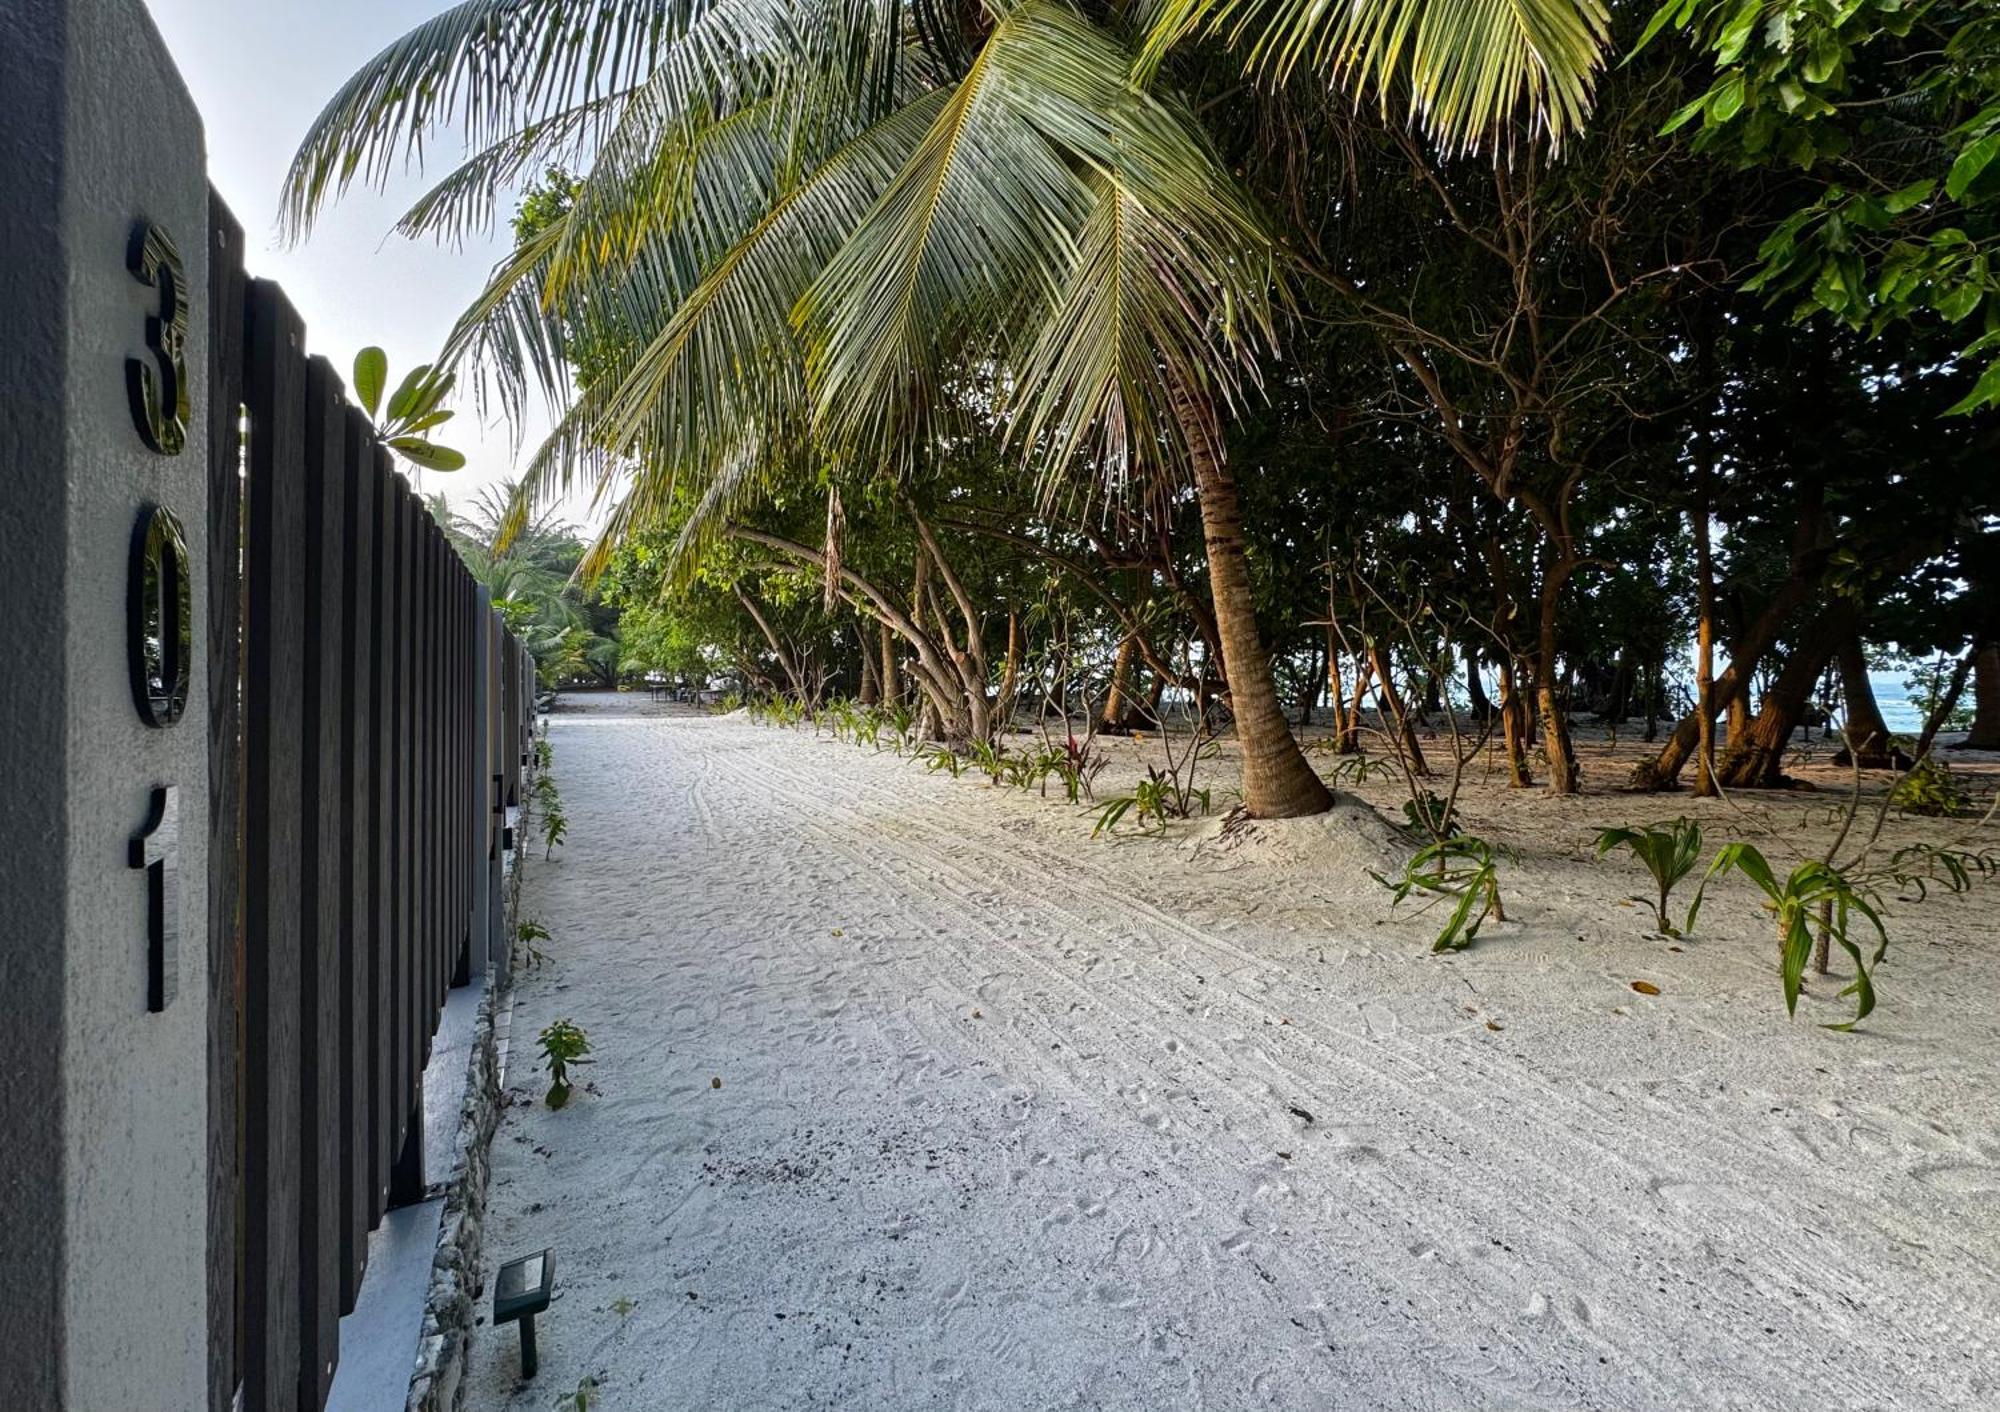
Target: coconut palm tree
[(819, 235)]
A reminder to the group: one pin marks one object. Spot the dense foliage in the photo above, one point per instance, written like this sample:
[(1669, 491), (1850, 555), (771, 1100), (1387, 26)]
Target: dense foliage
[(1039, 357)]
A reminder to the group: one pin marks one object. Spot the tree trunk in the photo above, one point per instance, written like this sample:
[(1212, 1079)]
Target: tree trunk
[(1115, 705), (892, 688), (1704, 654), (1810, 549), (1985, 732), (1010, 674), (1867, 733), (1564, 775), (1393, 708), (1309, 690), (777, 648), (1475, 689), (1946, 703), (1350, 731), (1757, 759), (1278, 782), (1336, 702), (1513, 728), (871, 689)]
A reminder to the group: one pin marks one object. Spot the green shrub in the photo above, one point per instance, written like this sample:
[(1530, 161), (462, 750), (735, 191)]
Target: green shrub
[(1930, 789)]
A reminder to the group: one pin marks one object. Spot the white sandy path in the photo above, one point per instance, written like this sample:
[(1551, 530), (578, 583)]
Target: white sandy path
[(1010, 1120)]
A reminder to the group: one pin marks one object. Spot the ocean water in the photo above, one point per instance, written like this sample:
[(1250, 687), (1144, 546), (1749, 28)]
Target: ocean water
[(1899, 713)]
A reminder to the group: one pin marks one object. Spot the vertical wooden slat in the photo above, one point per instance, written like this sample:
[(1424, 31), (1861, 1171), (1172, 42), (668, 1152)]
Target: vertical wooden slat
[(410, 1080), (385, 1100), (274, 390), (464, 812), (322, 800), (426, 884), (225, 785), (357, 903)]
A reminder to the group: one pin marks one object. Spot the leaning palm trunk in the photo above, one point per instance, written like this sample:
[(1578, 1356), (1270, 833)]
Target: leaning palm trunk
[(1278, 783)]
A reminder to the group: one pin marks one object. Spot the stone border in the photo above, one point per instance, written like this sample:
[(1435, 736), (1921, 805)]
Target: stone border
[(450, 1306)]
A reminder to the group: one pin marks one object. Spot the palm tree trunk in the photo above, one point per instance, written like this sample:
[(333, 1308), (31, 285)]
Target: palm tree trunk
[(1278, 783)]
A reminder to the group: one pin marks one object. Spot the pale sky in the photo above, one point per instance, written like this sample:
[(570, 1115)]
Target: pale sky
[(260, 71)]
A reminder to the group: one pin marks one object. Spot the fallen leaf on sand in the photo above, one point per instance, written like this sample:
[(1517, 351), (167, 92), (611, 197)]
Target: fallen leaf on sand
[(1286, 1155), (837, 931), (1494, 1025), (1645, 987), (1301, 1113)]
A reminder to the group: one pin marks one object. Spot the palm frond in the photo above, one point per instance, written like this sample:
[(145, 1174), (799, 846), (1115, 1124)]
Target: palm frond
[(1469, 71), (491, 68)]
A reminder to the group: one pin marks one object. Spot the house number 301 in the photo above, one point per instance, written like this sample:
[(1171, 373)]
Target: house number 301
[(160, 630)]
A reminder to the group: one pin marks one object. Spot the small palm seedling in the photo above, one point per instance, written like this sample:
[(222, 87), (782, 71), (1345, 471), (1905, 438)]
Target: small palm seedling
[(1669, 852), (1462, 870), (563, 1045), (1815, 891), (902, 720), (545, 754), (942, 757), (990, 758), (1154, 800)]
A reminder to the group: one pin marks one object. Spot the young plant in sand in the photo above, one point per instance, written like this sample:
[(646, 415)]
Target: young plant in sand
[(563, 1045), (942, 757), (1152, 802), (1180, 731), (549, 815), (1669, 851), (1813, 892), (991, 759), (1840, 890), (531, 933), (1460, 870)]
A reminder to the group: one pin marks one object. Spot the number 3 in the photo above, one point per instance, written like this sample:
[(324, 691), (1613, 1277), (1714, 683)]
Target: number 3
[(160, 395)]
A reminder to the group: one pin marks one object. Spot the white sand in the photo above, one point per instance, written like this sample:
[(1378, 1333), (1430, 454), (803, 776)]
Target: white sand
[(1012, 1119)]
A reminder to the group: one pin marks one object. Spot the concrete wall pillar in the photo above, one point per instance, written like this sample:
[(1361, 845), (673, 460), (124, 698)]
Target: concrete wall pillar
[(104, 1170)]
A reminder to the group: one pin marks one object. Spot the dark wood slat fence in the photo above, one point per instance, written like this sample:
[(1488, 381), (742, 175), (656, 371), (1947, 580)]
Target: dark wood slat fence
[(371, 721)]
